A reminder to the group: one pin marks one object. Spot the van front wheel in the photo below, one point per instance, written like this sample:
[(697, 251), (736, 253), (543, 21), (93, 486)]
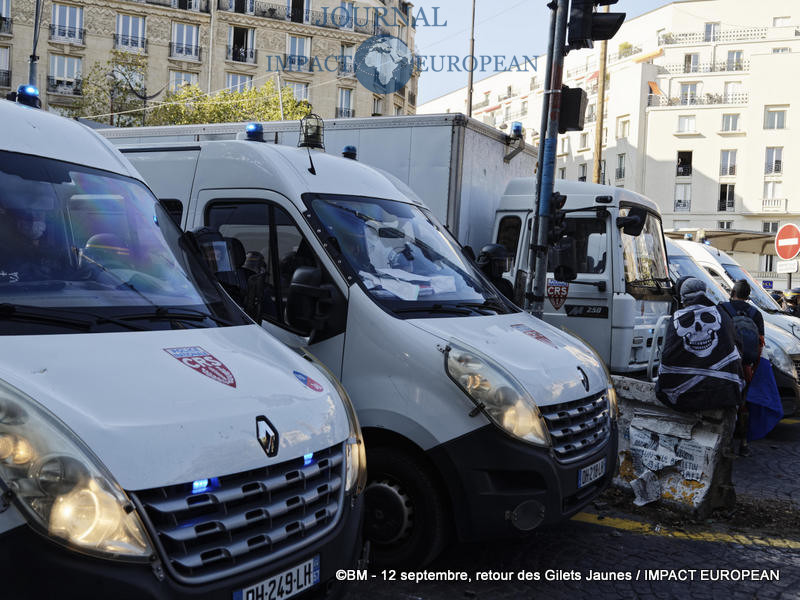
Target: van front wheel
[(406, 520)]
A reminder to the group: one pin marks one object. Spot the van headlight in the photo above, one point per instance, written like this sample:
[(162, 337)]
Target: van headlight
[(778, 357), (63, 490), (496, 393), (355, 452)]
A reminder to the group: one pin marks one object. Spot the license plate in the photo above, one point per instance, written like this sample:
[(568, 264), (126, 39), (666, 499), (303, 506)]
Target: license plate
[(284, 585), (591, 473)]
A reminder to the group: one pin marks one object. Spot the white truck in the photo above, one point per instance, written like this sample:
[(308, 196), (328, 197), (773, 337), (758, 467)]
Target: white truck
[(477, 416), (154, 441)]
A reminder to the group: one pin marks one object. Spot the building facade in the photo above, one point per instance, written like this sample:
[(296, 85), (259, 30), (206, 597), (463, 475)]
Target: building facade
[(700, 101), (216, 44)]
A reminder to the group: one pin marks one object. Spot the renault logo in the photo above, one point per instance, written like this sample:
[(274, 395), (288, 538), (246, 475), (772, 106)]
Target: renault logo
[(267, 436), (584, 378)]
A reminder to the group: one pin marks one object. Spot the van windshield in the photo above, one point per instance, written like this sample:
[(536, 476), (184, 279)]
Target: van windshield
[(684, 266), (86, 250), (645, 258), (405, 260), (758, 295)]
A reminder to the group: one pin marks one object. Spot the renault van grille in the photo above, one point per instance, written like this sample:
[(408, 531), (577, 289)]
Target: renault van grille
[(578, 427), (796, 361), (246, 519)]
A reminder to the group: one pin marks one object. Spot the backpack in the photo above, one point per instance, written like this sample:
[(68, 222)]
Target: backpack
[(747, 336)]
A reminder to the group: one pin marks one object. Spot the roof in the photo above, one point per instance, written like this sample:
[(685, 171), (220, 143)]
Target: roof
[(520, 191), (33, 131)]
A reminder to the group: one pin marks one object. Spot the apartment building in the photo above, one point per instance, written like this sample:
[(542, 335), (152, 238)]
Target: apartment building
[(700, 100), (215, 44)]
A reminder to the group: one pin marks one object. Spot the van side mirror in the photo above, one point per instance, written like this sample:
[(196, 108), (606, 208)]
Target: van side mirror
[(312, 304), (468, 252), (564, 258), (633, 224)]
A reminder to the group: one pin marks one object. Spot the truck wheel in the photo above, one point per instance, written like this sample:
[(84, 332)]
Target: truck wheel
[(405, 520)]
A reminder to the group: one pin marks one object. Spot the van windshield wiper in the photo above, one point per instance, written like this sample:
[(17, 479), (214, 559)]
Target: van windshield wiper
[(65, 317), (489, 304), (438, 308), (178, 314)]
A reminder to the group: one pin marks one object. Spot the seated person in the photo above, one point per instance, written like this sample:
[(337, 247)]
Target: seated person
[(26, 256)]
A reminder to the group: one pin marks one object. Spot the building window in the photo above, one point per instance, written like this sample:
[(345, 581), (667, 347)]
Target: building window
[(773, 190), (781, 50), (683, 196), (398, 111), (130, 33), (298, 53), (347, 53), (344, 109), (684, 164), (185, 41), (726, 197), (584, 140), (377, 106), (620, 173), (727, 163), (65, 73), (711, 32), (605, 136), (769, 262), (67, 23), (730, 122), (686, 124), (237, 82), (774, 117), (733, 92), (299, 90), (770, 226), (735, 60), (564, 145), (724, 225), (4, 62), (623, 127), (691, 63), (774, 162), (523, 108), (688, 93), (562, 173), (177, 79), (582, 172), (781, 21), (241, 45), (5, 9)]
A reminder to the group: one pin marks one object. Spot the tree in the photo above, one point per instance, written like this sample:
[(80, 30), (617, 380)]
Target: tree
[(112, 87), (189, 105)]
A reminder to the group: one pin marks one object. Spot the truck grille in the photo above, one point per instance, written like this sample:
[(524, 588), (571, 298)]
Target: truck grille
[(577, 427), (246, 519)]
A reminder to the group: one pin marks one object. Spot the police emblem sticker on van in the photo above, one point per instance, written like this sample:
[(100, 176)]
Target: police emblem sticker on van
[(204, 362), (308, 382), (557, 292)]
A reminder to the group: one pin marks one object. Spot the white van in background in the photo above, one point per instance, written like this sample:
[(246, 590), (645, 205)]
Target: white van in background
[(477, 417), (154, 441)]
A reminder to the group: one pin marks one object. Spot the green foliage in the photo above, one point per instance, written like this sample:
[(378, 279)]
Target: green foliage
[(112, 87), (189, 105)]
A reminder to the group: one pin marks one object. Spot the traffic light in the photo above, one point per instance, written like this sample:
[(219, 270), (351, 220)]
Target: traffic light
[(573, 109), (586, 25), (557, 218)]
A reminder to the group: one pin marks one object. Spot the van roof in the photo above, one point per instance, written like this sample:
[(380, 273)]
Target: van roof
[(700, 251), (33, 131), (520, 191)]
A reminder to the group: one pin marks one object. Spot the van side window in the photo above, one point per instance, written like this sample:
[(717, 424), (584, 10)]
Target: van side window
[(591, 243), (174, 208), (508, 235), (719, 279)]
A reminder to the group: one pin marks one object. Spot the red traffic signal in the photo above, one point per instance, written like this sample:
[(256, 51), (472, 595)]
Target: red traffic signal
[(586, 25)]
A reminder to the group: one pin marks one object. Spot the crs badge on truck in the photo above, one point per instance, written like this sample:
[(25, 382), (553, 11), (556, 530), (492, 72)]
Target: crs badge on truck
[(203, 362), (267, 436), (557, 292)]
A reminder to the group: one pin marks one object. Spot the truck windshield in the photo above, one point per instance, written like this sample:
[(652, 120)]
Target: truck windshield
[(86, 250), (405, 260), (758, 295), (644, 257)]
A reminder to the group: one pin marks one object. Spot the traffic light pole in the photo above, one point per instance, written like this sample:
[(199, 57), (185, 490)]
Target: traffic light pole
[(548, 159)]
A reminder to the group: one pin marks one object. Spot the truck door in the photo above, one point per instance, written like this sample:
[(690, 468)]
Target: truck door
[(270, 241), (509, 231), (584, 305)]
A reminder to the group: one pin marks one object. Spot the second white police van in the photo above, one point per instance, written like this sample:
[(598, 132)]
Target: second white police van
[(477, 416)]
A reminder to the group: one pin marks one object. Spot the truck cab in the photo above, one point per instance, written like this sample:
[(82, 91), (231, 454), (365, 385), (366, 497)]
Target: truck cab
[(622, 286)]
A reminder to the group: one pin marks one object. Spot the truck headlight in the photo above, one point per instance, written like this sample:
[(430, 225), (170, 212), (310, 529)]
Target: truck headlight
[(778, 357), (61, 487), (496, 393), (355, 451)]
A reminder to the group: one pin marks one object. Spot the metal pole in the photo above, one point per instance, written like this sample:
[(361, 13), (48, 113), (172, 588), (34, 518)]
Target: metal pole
[(472, 54), (540, 164), (212, 7), (37, 16), (280, 94), (601, 105), (549, 163)]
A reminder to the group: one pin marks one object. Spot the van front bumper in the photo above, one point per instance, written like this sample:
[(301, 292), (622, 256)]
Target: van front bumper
[(501, 487), (32, 567)]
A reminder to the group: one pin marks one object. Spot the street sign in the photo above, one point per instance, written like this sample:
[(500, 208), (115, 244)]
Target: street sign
[(787, 241), (787, 266), (766, 284)]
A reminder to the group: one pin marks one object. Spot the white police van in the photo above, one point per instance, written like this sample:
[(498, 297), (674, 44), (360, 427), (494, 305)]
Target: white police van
[(154, 441), (477, 416)]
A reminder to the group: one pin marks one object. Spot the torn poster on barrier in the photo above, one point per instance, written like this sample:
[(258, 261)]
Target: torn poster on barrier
[(678, 426), (695, 459), (647, 488), (651, 451)]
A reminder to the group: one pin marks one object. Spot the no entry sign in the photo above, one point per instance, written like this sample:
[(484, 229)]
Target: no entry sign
[(787, 241)]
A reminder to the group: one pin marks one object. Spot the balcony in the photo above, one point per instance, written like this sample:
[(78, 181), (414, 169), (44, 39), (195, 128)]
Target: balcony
[(300, 64), (683, 170), (241, 54), (576, 72), (624, 53), (69, 35), (244, 7), (619, 173), (590, 118), (5, 25), (727, 170), (5, 79), (270, 11), (345, 113), (345, 68), (773, 205), (130, 43), (657, 100), (773, 168), (482, 104), (184, 51), (726, 66), (65, 87), (721, 35)]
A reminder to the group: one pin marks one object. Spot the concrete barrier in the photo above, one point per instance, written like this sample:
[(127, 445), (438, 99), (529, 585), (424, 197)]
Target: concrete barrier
[(682, 460)]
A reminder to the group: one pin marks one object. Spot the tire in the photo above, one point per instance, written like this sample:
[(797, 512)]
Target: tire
[(405, 517)]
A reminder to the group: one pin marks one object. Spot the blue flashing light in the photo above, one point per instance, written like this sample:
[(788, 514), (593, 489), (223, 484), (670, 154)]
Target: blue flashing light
[(707, 242), (308, 459), (31, 91), (155, 219), (516, 129), (254, 132), (29, 96), (350, 152), (204, 485)]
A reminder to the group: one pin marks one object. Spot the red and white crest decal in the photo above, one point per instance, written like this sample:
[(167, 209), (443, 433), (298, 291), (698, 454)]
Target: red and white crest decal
[(203, 362), (557, 292)]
